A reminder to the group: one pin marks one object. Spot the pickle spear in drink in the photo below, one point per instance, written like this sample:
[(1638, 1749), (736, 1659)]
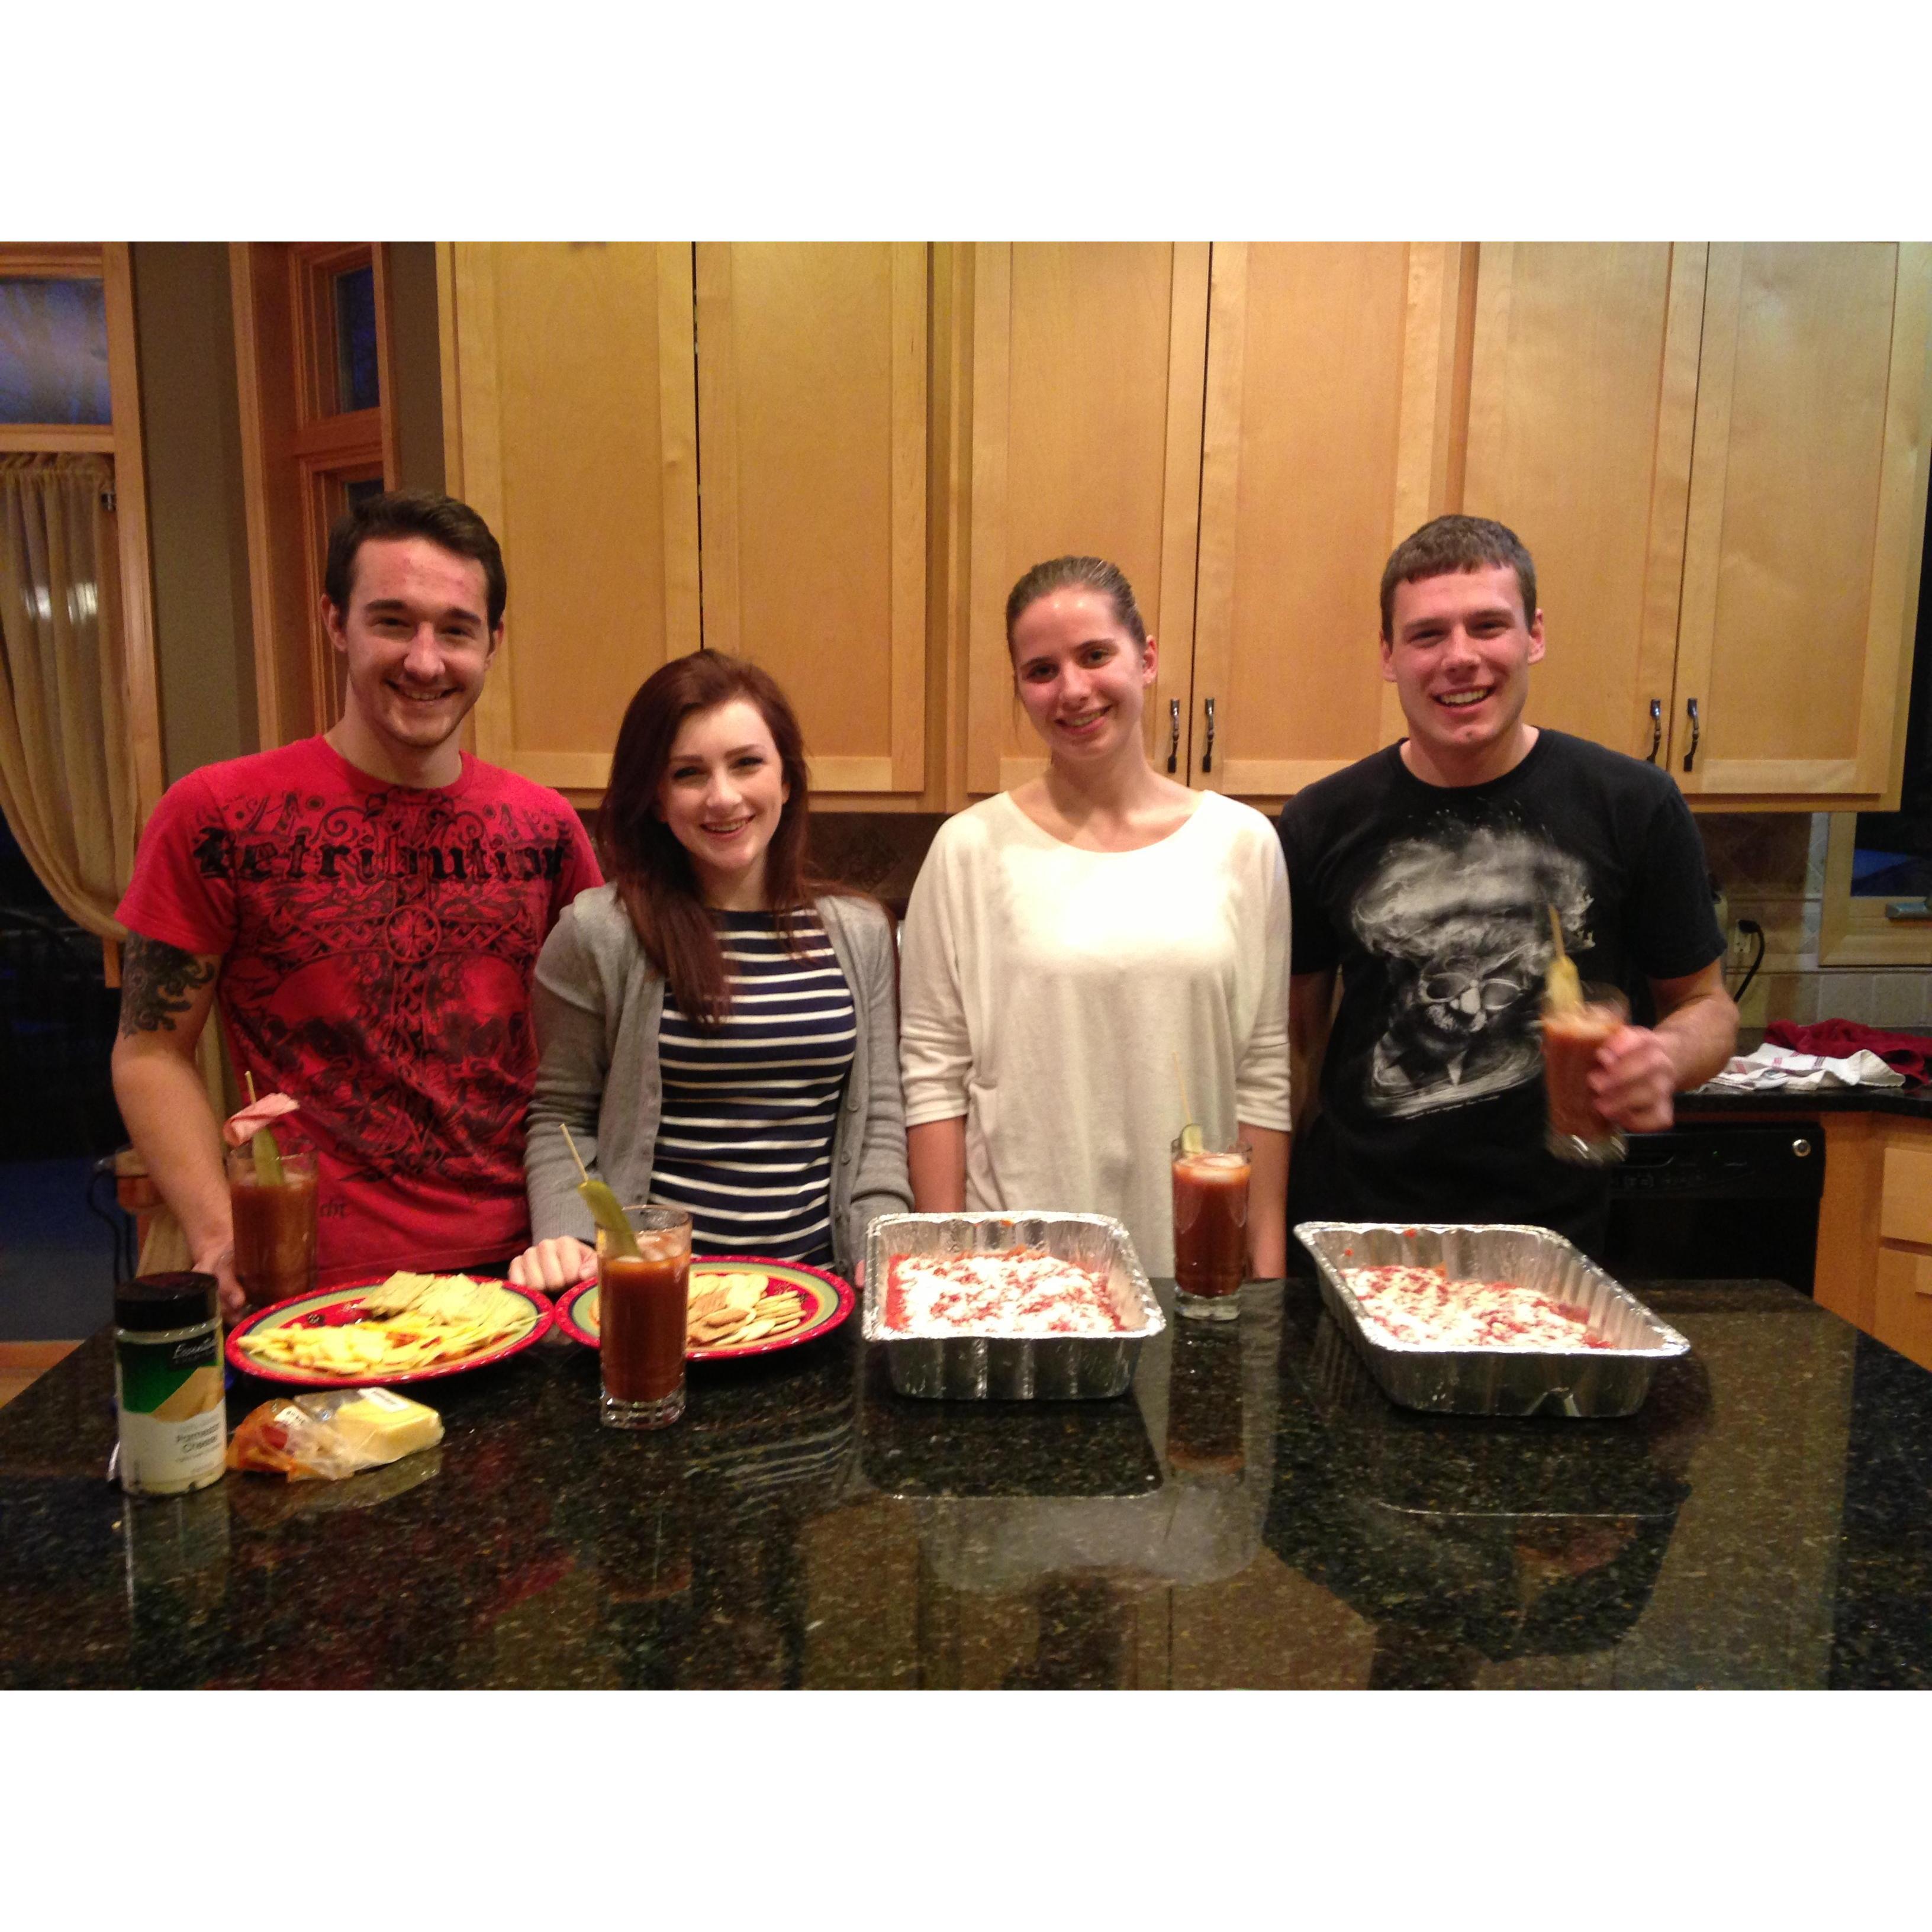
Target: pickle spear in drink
[(604, 1208), (1577, 1024)]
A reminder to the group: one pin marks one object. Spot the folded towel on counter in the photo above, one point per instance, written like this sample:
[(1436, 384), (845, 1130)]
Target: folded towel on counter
[(1777, 1068), (1903, 1052)]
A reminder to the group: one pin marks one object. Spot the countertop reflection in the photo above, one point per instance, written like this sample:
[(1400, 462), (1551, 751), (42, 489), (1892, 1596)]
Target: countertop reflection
[(1252, 1513)]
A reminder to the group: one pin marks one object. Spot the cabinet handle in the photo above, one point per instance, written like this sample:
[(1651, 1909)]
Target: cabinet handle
[(1174, 734), (1208, 753), (1656, 730), (1696, 731)]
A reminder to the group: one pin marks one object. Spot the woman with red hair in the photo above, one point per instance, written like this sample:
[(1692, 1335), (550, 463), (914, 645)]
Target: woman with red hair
[(716, 1026)]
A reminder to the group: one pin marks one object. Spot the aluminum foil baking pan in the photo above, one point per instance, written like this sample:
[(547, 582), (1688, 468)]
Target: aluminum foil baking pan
[(1496, 1382), (1019, 1368)]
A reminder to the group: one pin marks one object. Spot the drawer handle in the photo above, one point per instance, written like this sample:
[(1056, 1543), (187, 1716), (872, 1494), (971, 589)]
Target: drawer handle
[(1207, 755), (1173, 734), (1656, 730), (1696, 731)]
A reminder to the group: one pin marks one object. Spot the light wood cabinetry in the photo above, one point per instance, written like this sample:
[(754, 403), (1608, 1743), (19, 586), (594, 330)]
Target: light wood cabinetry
[(1874, 1260), (1808, 509), (1086, 368), (1717, 454), (570, 423), (812, 375), (1583, 400), (1902, 1306), (1332, 406)]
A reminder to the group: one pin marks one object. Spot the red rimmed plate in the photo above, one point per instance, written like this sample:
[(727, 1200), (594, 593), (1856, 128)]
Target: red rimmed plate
[(827, 1302), (333, 1307)]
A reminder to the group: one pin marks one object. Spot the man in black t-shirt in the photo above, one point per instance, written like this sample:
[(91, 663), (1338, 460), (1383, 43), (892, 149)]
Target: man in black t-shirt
[(1424, 874)]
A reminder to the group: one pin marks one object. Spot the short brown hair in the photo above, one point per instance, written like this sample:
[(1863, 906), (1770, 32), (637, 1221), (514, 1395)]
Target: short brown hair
[(1456, 543), (641, 854), (449, 525), (1078, 573)]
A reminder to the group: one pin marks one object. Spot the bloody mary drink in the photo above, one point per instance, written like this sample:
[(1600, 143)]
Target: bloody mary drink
[(275, 1226), (1573, 1037), (1211, 1228), (642, 1306)]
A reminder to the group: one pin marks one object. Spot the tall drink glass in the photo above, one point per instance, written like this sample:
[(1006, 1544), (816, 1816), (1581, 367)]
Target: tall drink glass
[(1211, 1228), (1571, 1041), (275, 1226), (643, 1303)]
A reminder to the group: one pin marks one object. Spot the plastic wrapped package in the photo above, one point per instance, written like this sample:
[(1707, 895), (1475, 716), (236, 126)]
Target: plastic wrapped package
[(332, 1432)]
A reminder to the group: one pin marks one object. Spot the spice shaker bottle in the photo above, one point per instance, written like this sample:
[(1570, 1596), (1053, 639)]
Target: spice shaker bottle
[(168, 1383)]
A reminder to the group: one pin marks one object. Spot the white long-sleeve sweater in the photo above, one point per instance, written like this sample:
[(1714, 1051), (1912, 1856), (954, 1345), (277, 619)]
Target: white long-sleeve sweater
[(1045, 990)]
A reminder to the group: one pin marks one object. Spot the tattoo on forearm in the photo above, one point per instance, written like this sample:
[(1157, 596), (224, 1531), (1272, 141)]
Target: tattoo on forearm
[(157, 983)]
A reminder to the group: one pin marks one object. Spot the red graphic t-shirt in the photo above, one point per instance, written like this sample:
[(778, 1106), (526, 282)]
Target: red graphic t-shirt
[(377, 946)]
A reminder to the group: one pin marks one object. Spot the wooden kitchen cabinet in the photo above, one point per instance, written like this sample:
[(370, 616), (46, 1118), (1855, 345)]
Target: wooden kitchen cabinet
[(811, 381), (1718, 454), (1332, 409), (1806, 519), (1874, 1257), (1087, 367), (1582, 399), (576, 381), (570, 424)]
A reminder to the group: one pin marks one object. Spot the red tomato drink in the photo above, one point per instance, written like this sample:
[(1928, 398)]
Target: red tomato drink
[(275, 1227), (643, 1303), (1572, 1038), (1211, 1229)]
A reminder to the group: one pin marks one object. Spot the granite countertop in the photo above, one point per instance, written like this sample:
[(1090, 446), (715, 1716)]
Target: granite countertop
[(1252, 1514), (1913, 1101)]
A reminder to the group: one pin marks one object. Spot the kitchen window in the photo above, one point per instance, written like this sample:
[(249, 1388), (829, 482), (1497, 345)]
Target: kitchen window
[(1877, 908)]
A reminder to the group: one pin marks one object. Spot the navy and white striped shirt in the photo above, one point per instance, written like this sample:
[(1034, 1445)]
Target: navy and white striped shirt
[(744, 1143)]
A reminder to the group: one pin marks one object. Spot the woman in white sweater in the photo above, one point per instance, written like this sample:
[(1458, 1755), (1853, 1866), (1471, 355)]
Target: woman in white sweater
[(1066, 939)]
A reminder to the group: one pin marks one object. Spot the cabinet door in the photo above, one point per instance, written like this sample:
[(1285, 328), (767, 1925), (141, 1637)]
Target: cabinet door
[(812, 374), (1582, 397), (569, 419), (1086, 374), (1331, 397), (1807, 506)]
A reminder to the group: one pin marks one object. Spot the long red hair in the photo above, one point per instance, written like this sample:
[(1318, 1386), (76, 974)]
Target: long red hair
[(641, 855)]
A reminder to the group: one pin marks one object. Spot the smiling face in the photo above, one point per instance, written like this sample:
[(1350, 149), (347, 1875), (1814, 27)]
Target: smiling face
[(1459, 656), (1081, 675), (722, 795), (415, 643)]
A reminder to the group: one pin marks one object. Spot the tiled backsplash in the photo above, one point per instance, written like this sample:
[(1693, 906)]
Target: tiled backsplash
[(1771, 867), (879, 852)]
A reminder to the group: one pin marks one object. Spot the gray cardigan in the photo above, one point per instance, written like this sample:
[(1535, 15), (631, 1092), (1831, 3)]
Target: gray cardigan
[(596, 1004)]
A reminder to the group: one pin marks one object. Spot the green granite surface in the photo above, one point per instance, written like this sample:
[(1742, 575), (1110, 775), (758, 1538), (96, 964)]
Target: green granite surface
[(1254, 1513)]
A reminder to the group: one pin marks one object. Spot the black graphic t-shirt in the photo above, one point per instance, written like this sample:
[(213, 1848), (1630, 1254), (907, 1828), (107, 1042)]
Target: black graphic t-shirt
[(1432, 902), (377, 945)]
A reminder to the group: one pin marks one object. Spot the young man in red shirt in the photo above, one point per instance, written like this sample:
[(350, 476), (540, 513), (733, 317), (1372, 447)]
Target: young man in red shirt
[(366, 907)]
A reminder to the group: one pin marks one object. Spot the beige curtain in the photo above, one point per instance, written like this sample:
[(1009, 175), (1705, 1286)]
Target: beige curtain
[(66, 767)]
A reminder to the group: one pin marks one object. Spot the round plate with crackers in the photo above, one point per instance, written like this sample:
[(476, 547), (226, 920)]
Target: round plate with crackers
[(740, 1305), (361, 1337)]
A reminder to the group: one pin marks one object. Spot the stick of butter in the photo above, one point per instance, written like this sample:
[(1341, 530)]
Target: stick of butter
[(382, 1426)]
